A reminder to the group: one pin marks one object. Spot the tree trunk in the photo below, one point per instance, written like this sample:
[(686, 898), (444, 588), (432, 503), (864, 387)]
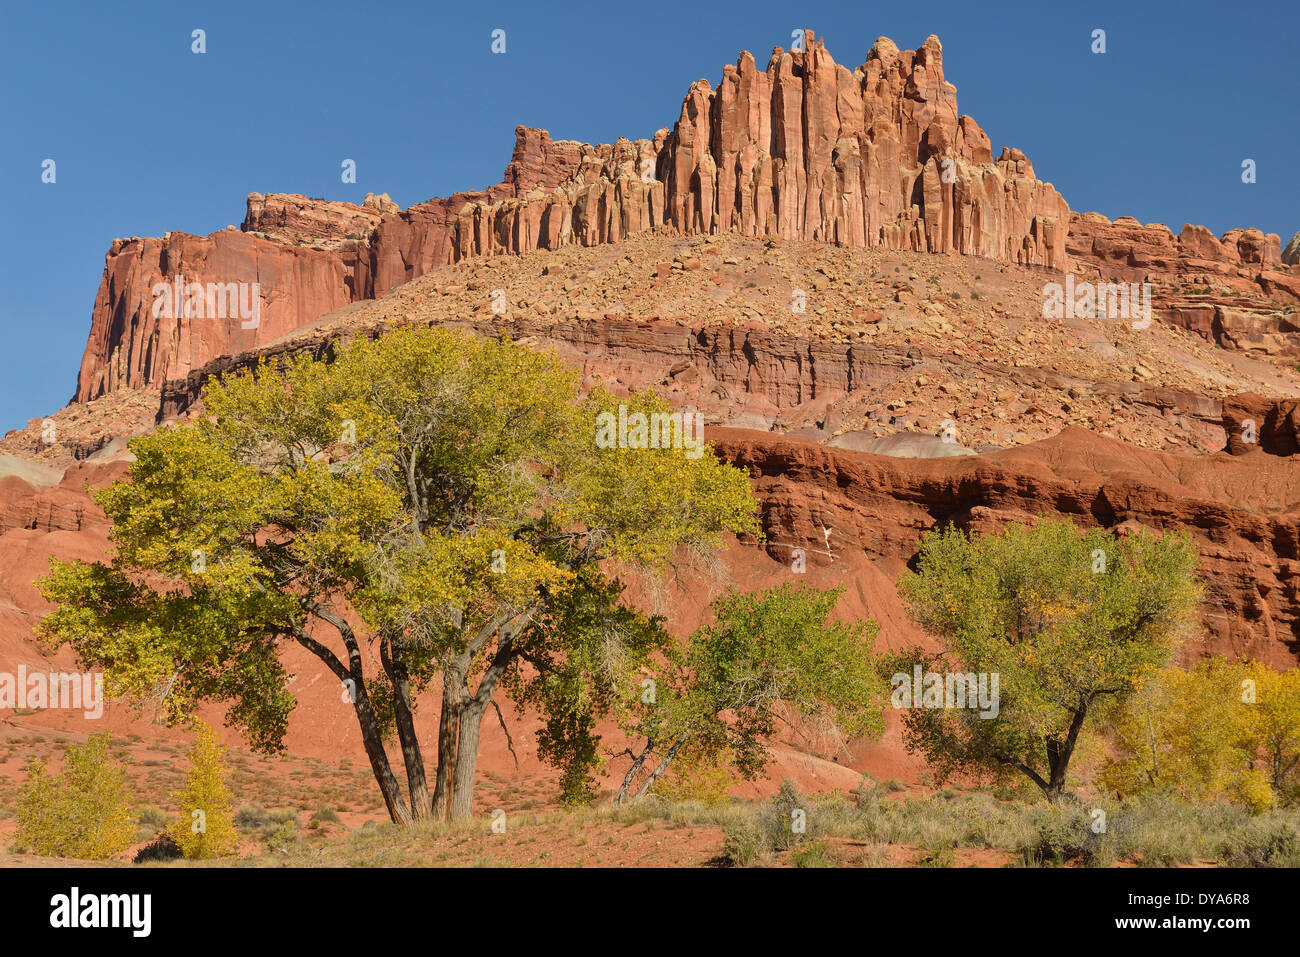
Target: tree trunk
[(374, 744), (462, 795), (660, 768), (354, 678), (628, 778), (453, 683), (462, 715), (1059, 753), (394, 661), (471, 709)]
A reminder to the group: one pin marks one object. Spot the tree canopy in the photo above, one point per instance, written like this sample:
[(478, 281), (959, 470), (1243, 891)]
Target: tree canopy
[(1064, 619), (767, 659), (1217, 730), (430, 501)]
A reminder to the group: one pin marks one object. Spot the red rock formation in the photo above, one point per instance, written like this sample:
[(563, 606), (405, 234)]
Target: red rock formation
[(1227, 290), (1291, 254), (878, 507), (754, 377), (1255, 422), (64, 507), (1127, 251), (806, 149), (293, 219), (134, 343)]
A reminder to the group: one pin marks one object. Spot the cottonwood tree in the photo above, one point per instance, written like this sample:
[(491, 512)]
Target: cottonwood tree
[(1066, 620), (1273, 706), (1220, 729), (768, 660), (427, 511)]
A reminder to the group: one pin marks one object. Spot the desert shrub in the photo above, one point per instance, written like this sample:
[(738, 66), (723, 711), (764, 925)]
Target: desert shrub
[(256, 821), (283, 839), (743, 841), (251, 818), (780, 814), (1160, 829), (150, 821), (85, 812), (868, 793), (1062, 836), (1156, 829), (815, 853), (940, 854), (769, 826), (326, 815), (161, 848), (1263, 843)]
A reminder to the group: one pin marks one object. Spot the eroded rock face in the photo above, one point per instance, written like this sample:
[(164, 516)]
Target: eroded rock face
[(1235, 290), (1128, 251), (749, 378), (134, 343), (1256, 422), (293, 219), (877, 506), (806, 149)]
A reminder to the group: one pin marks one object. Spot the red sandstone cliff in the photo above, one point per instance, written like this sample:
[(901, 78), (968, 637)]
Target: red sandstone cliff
[(806, 149), (876, 156)]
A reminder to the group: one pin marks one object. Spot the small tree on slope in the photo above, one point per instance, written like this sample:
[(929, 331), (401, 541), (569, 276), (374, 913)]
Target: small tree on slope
[(1066, 621), (768, 658)]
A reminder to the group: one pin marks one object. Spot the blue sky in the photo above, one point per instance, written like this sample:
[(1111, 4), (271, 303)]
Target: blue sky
[(149, 137)]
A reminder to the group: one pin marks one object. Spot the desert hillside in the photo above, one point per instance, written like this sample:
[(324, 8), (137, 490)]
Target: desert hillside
[(841, 273)]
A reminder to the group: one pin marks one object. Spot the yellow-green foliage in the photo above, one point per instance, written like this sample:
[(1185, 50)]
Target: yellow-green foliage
[(206, 827), (445, 489), (1274, 726), (84, 812), (697, 776), (1068, 620), (1221, 730), (770, 660)]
